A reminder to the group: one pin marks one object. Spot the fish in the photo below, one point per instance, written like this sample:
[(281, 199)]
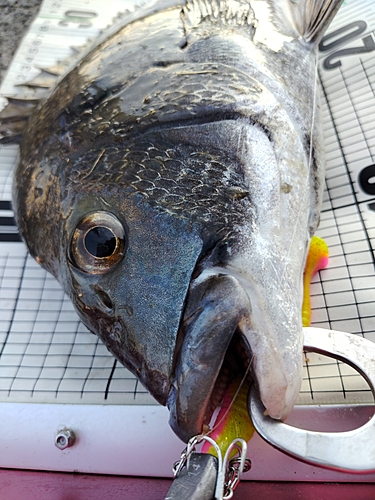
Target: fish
[(171, 181)]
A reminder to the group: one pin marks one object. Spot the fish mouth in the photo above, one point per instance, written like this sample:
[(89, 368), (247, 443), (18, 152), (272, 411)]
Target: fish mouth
[(220, 340), (212, 353)]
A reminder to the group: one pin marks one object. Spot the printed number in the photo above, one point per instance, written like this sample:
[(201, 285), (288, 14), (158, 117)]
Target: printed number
[(368, 46), (82, 17), (366, 175), (364, 178), (360, 28), (352, 30)]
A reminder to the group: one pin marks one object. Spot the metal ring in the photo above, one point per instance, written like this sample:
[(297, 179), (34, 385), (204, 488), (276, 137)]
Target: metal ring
[(351, 451)]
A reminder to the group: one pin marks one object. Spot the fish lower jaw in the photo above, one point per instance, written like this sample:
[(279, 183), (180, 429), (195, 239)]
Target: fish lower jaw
[(235, 364), (279, 392), (277, 411)]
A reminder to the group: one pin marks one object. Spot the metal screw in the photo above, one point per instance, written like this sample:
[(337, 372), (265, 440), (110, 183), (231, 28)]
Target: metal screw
[(65, 439)]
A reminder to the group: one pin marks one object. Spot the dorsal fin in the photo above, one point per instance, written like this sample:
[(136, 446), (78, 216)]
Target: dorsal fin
[(57, 69), (227, 12), (14, 116), (16, 106), (309, 18), (45, 80)]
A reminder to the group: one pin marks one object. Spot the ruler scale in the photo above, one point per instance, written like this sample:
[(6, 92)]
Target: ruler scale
[(48, 356)]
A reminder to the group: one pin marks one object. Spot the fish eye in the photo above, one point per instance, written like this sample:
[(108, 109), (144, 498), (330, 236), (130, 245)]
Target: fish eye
[(97, 243)]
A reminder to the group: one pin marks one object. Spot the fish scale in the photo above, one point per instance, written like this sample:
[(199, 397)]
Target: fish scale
[(183, 190)]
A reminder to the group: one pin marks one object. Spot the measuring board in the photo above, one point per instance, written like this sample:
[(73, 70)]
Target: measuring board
[(54, 373)]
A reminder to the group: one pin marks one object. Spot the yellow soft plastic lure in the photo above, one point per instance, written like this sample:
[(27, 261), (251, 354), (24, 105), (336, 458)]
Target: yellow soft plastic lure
[(317, 259), (234, 421)]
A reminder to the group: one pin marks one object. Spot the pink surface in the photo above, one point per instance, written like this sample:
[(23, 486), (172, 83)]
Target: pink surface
[(27, 485)]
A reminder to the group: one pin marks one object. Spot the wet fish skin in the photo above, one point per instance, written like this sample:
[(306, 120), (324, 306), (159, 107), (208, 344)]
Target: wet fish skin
[(194, 125)]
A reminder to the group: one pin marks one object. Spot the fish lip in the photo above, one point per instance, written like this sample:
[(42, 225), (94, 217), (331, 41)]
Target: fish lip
[(214, 308), (218, 306)]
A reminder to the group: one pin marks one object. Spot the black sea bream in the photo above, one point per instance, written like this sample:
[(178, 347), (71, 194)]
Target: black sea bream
[(172, 181)]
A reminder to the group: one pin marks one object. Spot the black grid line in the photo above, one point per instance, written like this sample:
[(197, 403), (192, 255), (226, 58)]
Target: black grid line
[(25, 344), (110, 379), (370, 84), (13, 313), (350, 182), (330, 302), (57, 358)]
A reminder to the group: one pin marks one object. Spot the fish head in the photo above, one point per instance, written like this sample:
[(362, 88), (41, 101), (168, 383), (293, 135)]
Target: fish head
[(128, 270), (180, 236), (125, 264)]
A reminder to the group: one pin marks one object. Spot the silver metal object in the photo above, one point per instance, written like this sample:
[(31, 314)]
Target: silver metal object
[(351, 451), (65, 438), (233, 475), (196, 480), (190, 448), (232, 469), (228, 470)]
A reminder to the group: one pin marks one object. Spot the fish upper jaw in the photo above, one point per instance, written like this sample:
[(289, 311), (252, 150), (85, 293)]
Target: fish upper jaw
[(219, 307)]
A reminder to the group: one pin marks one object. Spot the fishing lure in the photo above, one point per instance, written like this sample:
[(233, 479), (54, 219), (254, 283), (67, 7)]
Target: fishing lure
[(233, 419), (317, 259)]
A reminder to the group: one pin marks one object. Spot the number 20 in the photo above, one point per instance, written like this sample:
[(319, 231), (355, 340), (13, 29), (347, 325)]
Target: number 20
[(354, 29)]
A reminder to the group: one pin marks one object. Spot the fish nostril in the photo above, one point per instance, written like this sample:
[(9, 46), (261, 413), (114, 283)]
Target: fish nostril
[(104, 298)]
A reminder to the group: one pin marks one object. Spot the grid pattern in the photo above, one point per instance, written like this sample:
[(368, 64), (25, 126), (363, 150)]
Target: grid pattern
[(8, 156), (47, 355), (343, 295)]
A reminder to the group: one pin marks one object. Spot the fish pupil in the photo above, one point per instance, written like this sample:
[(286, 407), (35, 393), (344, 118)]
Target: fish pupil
[(100, 242)]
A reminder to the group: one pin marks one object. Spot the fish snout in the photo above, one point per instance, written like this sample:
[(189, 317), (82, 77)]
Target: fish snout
[(215, 308)]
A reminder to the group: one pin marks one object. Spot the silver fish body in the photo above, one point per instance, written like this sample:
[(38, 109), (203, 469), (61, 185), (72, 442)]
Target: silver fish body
[(172, 181)]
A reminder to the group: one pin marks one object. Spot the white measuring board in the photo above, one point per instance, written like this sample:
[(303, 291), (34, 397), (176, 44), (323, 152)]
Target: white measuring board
[(54, 373)]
